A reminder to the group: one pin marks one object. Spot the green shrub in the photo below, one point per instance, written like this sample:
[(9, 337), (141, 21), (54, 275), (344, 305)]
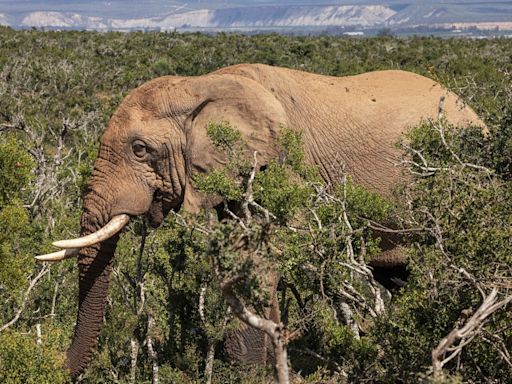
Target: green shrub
[(16, 167), (22, 361), (464, 206)]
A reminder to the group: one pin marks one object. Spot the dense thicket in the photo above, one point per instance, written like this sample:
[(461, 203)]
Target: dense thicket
[(57, 91)]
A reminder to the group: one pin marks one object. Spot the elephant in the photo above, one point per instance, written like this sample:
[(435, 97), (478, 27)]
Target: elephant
[(156, 142)]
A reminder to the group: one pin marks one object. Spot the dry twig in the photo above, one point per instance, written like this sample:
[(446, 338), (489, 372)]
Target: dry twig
[(26, 295), (465, 334)]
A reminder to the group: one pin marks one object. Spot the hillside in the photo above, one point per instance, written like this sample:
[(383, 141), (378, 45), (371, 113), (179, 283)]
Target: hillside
[(250, 16)]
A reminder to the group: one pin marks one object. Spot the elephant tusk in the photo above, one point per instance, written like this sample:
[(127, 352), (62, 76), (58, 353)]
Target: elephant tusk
[(111, 228), (59, 255)]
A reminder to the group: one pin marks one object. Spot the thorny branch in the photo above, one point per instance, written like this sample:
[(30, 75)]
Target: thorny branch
[(133, 292), (274, 330), (309, 352), (440, 128), (465, 334), (50, 182), (153, 355), (212, 342), (26, 295), (381, 228), (425, 168), (248, 195), (355, 264)]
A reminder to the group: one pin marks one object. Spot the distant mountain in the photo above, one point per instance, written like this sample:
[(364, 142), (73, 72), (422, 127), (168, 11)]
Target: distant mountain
[(253, 15), (3, 19), (43, 19), (266, 17)]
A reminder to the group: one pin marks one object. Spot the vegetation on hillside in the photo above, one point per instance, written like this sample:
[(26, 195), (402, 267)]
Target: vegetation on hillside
[(57, 91)]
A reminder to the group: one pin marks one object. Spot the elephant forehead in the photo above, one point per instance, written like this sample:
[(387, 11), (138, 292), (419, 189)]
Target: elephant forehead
[(164, 96), (127, 119)]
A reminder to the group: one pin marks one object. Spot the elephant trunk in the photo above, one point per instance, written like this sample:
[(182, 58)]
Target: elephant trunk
[(95, 267)]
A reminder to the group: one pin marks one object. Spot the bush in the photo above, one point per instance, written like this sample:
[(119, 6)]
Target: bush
[(463, 204), (23, 361), (16, 167)]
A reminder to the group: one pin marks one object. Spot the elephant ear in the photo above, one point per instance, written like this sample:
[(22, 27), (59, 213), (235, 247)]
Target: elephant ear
[(246, 106)]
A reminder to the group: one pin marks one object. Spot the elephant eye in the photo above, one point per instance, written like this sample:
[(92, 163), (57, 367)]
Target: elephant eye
[(139, 148)]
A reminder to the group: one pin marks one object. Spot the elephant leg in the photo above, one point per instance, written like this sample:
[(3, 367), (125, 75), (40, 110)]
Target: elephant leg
[(248, 345), (245, 344), (275, 316)]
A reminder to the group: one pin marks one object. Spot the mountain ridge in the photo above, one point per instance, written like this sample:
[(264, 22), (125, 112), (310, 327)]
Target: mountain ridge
[(264, 15)]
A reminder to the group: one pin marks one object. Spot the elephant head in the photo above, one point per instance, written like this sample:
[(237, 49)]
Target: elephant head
[(155, 142)]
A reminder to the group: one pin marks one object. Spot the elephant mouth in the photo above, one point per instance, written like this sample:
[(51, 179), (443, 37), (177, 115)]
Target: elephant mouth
[(160, 207), (156, 215)]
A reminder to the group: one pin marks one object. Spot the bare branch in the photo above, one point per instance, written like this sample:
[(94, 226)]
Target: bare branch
[(235, 217), (151, 350), (54, 299), (381, 228), (212, 342), (32, 283), (440, 128), (348, 315), (273, 330), (202, 294), (499, 345), (196, 227), (466, 333), (265, 211), (309, 352), (124, 292), (134, 346), (38, 334), (248, 195), (470, 278)]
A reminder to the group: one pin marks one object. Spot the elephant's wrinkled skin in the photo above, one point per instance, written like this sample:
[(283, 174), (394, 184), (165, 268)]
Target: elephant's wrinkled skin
[(156, 141)]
